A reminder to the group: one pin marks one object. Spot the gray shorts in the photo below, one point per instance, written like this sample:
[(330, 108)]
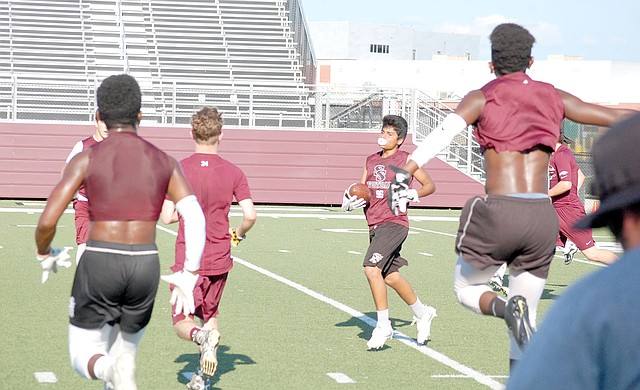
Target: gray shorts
[(115, 283), (385, 242), (520, 231)]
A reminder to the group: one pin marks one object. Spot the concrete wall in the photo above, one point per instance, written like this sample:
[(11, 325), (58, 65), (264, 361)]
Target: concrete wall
[(282, 166)]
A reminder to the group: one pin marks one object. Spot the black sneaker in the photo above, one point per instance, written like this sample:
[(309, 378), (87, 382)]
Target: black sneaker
[(517, 318)]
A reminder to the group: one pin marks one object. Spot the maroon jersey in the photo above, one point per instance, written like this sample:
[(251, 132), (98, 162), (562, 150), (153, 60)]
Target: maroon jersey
[(564, 167), (215, 183), (379, 178), (519, 113), (127, 179)]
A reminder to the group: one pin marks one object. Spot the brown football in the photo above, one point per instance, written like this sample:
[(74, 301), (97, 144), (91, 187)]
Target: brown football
[(360, 190)]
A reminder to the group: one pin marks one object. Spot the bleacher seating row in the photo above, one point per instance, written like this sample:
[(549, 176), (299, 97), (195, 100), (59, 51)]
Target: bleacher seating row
[(165, 44)]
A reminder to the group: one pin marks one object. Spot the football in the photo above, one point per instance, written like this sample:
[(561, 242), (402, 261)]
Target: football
[(360, 190)]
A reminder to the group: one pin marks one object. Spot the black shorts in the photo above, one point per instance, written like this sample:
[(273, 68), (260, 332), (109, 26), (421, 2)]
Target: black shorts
[(520, 231), (115, 283), (385, 242)]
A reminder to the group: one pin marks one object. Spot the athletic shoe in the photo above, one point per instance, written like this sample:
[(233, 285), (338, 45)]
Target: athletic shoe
[(209, 352), (517, 318), (197, 382), (424, 324), (122, 375), (496, 285), (569, 253), (379, 336)]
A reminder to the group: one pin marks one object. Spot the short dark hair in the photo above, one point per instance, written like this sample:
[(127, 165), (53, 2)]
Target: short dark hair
[(398, 123), (119, 100), (511, 48)]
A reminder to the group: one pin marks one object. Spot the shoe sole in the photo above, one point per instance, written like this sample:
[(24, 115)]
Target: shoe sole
[(125, 371), (209, 357)]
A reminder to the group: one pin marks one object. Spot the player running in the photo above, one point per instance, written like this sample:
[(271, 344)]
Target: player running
[(517, 122), (127, 179), (216, 182), (565, 180)]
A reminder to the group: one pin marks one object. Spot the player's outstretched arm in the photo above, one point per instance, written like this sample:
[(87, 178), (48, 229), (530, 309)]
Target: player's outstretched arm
[(591, 114)]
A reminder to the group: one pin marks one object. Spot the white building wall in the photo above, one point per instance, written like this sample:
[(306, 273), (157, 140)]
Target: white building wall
[(349, 40), (604, 82)]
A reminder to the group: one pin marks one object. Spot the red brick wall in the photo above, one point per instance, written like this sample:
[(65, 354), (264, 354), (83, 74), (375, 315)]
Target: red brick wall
[(282, 166)]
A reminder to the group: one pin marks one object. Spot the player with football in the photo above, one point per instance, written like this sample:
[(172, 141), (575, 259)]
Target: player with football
[(127, 179), (517, 122), (387, 232), (215, 182), (80, 201)]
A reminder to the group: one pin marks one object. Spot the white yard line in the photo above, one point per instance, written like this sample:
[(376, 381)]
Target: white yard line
[(435, 355)]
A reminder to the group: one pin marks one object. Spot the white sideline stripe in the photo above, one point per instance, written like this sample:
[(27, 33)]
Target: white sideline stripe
[(477, 376), (340, 377), (432, 231), (272, 215), (45, 377), (464, 376)]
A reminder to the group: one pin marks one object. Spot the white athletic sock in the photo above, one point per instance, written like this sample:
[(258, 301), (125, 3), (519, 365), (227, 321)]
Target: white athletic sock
[(383, 318), (418, 308), (102, 367)]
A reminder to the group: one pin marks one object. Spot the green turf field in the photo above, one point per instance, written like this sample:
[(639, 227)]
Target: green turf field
[(296, 312)]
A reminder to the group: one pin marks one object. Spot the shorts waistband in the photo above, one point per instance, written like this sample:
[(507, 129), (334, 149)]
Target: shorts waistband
[(122, 249), (518, 198)]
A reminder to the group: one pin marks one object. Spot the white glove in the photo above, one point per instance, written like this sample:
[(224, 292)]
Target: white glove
[(400, 194), (184, 282), (352, 202), (57, 257)]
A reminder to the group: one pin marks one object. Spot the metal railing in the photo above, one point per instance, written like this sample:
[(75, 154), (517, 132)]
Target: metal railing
[(307, 107)]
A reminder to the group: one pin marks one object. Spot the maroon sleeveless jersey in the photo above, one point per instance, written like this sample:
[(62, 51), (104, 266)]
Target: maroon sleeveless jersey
[(127, 179), (379, 178), (519, 113)]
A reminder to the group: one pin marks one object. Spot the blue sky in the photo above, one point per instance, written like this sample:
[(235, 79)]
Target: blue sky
[(595, 30)]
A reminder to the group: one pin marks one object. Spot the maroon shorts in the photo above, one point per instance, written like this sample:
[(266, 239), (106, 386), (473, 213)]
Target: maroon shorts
[(567, 217), (207, 295), (385, 242), (497, 228), (82, 221)]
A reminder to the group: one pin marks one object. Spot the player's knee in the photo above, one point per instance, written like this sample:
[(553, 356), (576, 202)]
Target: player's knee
[(469, 296)]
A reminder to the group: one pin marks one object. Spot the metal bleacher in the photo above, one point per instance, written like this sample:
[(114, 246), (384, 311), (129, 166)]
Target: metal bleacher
[(240, 55)]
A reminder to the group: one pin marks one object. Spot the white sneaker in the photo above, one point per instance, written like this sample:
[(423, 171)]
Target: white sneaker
[(122, 375), (569, 252), (209, 352), (424, 324), (379, 336), (197, 382)]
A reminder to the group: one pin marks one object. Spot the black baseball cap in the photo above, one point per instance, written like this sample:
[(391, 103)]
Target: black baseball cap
[(617, 171)]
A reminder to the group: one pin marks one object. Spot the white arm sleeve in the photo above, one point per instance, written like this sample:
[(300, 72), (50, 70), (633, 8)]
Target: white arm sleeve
[(438, 139), (194, 231)]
